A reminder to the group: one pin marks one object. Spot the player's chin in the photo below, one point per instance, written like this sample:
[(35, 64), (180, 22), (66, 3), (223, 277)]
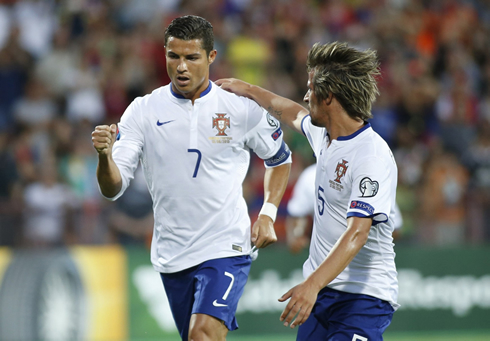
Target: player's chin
[(183, 84)]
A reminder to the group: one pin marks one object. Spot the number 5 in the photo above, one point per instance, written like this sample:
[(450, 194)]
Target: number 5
[(321, 194), (198, 160)]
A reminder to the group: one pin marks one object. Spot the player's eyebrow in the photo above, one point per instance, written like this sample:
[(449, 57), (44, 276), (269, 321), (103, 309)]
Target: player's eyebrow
[(191, 55)]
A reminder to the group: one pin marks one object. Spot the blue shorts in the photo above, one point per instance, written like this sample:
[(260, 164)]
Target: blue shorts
[(342, 316), (212, 288)]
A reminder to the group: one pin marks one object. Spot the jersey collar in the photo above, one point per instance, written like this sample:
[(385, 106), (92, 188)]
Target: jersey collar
[(204, 93), (351, 136)]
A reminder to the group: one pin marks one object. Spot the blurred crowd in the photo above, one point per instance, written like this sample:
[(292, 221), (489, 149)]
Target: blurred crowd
[(68, 65)]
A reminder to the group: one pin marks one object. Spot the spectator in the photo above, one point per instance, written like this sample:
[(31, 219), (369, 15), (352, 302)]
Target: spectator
[(47, 206), (94, 57), (9, 193)]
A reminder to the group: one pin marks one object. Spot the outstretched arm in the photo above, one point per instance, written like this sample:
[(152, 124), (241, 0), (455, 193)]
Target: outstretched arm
[(285, 110), (304, 295), (275, 182), (108, 175)]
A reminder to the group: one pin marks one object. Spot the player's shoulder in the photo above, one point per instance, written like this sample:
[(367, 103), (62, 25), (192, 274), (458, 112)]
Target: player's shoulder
[(156, 96), (141, 104), (149, 98), (231, 97), (370, 140), (372, 148), (380, 144), (242, 108)]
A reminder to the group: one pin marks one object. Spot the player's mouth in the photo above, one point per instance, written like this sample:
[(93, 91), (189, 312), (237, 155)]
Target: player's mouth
[(182, 81)]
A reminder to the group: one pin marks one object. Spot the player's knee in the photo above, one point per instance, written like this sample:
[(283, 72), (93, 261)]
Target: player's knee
[(206, 328), (203, 333)]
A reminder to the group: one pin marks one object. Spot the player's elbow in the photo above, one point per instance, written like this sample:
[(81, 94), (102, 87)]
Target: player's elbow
[(110, 190), (359, 236)]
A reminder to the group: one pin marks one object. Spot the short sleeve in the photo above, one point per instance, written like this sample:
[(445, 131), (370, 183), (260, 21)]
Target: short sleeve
[(266, 138), (371, 190)]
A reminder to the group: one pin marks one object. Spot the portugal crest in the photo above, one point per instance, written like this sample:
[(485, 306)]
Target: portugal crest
[(340, 170), (221, 123)]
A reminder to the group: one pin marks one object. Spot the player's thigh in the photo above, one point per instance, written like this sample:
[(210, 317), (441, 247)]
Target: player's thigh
[(219, 286), (353, 317), (203, 326), (312, 329), (179, 288)]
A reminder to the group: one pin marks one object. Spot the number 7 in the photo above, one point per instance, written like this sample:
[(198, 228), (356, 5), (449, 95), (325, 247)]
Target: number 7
[(198, 160), (225, 296)]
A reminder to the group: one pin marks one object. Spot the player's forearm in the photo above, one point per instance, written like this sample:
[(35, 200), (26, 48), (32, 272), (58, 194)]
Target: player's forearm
[(342, 253), (275, 183), (108, 176), (284, 109)]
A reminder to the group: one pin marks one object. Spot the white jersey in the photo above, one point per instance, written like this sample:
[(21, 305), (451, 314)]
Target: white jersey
[(356, 176), (195, 158), (302, 200)]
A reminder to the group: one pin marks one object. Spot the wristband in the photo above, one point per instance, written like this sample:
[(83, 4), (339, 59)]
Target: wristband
[(269, 210)]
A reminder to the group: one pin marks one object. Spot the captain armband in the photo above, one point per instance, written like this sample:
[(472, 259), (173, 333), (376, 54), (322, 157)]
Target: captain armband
[(281, 156)]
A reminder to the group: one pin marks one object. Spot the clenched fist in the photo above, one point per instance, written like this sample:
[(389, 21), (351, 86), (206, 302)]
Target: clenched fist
[(103, 138)]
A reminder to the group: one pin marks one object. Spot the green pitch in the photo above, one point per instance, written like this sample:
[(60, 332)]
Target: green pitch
[(398, 336), (427, 336)]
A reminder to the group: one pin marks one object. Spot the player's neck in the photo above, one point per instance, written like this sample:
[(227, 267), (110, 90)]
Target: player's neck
[(343, 125), (193, 95)]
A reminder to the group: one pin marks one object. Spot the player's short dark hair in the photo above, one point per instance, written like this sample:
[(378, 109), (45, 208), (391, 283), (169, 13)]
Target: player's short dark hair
[(349, 74), (190, 27)]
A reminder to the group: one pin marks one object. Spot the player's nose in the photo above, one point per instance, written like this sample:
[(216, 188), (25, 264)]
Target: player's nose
[(182, 66), (306, 99)]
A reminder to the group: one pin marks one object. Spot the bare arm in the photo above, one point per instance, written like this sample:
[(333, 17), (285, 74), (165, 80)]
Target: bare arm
[(303, 296), (108, 175), (285, 110), (275, 183)]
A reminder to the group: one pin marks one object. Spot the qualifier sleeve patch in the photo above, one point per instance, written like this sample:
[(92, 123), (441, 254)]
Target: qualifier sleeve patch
[(276, 134)]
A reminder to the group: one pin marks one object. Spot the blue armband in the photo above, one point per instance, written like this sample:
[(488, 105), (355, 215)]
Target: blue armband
[(281, 156)]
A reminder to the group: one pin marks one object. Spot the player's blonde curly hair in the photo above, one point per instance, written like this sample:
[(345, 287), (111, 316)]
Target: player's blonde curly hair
[(348, 74)]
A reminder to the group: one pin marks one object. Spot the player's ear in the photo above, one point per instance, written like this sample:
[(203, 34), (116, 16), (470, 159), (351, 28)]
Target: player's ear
[(329, 98), (212, 56)]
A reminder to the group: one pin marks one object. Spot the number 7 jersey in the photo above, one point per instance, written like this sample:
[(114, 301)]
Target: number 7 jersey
[(195, 158)]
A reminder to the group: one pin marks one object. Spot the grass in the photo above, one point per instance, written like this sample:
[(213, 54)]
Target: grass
[(483, 335), (415, 336)]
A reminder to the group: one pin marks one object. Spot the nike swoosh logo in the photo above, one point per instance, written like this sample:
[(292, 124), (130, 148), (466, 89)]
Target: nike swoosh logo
[(162, 123), (216, 304)]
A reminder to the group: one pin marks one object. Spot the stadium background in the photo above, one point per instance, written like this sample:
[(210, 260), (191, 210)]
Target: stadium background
[(76, 266)]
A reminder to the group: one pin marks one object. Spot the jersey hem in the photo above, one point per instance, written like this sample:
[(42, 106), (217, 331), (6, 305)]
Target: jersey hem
[(350, 289), (172, 269)]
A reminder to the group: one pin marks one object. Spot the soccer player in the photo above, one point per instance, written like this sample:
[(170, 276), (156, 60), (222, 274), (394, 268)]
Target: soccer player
[(194, 140), (350, 288)]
